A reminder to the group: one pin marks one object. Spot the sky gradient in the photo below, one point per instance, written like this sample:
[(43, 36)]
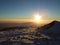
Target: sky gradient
[(24, 9)]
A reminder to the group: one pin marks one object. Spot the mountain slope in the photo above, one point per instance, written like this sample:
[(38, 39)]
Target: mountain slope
[(52, 29)]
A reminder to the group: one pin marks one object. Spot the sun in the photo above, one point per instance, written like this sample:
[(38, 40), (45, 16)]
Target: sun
[(37, 18)]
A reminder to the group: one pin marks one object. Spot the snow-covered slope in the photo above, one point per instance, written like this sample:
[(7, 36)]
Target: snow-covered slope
[(52, 29)]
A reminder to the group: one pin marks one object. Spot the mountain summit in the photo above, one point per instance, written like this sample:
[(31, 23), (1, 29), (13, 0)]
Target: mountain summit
[(52, 29)]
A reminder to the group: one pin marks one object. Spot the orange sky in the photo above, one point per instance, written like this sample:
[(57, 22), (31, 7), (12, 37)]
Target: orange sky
[(21, 20)]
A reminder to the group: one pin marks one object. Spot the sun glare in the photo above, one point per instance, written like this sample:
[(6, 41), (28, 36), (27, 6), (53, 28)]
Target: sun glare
[(37, 18)]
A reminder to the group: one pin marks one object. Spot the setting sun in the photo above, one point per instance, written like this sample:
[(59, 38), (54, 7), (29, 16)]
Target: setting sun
[(37, 18)]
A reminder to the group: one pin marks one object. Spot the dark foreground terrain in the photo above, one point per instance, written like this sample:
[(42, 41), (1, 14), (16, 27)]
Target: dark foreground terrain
[(29, 34)]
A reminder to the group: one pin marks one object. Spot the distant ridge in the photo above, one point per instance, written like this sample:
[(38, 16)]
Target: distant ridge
[(12, 28), (20, 26)]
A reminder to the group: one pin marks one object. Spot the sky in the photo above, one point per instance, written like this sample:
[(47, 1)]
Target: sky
[(24, 9)]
